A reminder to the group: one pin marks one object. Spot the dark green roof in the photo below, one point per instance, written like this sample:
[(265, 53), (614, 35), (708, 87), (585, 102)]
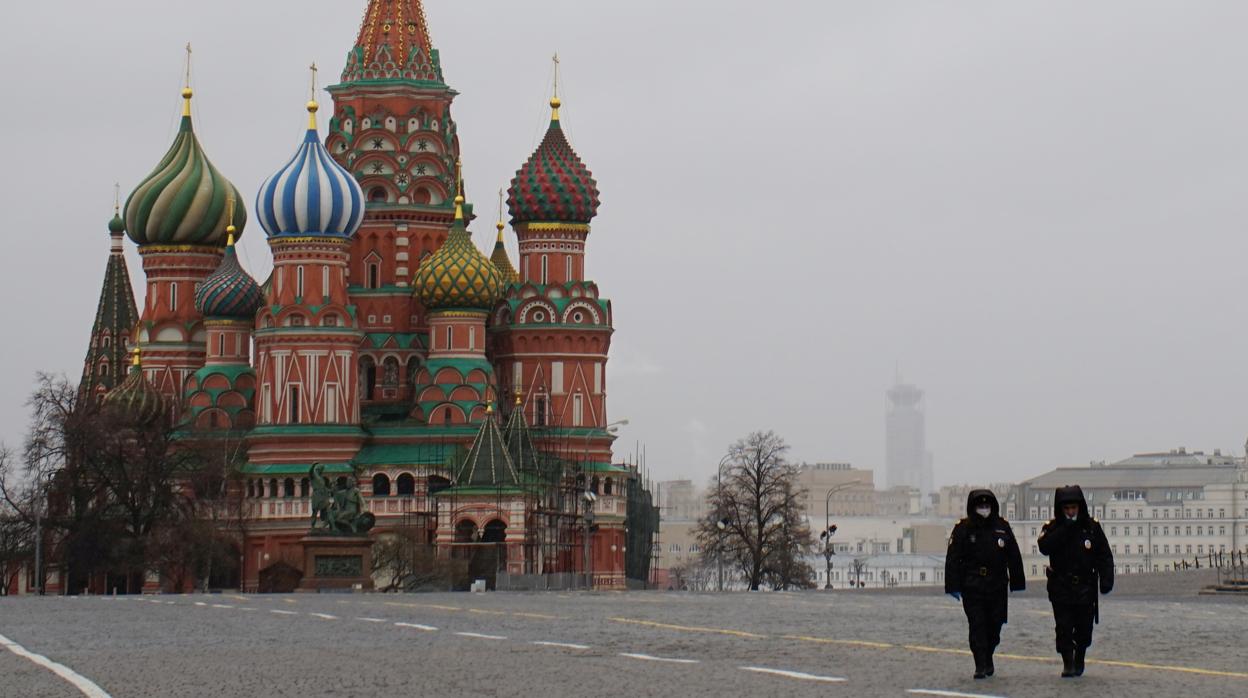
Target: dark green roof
[(488, 464), (294, 469)]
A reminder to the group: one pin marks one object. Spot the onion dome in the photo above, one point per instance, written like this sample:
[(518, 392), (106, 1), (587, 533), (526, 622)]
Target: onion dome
[(554, 186), (501, 261), (229, 291), (182, 202), (117, 226), (136, 397), (312, 194), (458, 276)]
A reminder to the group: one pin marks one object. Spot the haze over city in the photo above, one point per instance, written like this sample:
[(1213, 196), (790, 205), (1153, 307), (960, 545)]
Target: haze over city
[(1035, 211)]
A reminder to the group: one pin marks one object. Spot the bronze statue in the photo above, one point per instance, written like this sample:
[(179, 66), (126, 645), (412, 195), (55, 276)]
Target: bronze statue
[(337, 510)]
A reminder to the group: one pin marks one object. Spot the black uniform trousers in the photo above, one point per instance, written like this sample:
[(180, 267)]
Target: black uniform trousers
[(985, 614), (1074, 625)]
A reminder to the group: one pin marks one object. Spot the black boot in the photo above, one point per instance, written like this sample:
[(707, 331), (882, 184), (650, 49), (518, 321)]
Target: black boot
[(1080, 653), (979, 664), (1068, 664), (989, 669)]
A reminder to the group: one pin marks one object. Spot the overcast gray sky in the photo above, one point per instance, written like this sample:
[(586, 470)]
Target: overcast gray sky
[(1036, 209)]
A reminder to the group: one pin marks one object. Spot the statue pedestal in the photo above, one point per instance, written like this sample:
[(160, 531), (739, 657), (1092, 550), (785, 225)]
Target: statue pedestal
[(336, 562)]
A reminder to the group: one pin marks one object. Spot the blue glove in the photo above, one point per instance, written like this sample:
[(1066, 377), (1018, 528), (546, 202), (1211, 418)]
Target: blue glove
[(957, 595)]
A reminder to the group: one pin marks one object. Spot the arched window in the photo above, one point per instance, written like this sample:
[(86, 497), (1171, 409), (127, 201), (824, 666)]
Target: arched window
[(607, 486), (325, 281), (381, 485), (173, 296), (299, 281), (273, 488), (594, 485), (567, 267), (446, 416), (251, 488), (390, 375), (494, 532), (368, 377), (545, 270), (305, 488), (374, 275), (406, 485), (288, 488), (465, 531), (377, 195)]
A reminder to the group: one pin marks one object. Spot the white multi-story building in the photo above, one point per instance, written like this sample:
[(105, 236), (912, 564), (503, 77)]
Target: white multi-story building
[(1158, 509)]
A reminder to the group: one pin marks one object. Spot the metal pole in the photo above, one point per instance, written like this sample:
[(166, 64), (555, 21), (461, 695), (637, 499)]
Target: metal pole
[(719, 518), (827, 538), (39, 550)]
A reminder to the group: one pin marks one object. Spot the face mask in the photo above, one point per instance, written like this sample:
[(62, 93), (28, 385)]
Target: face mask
[(983, 511)]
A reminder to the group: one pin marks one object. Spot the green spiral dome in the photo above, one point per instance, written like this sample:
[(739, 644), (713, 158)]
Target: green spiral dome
[(184, 200)]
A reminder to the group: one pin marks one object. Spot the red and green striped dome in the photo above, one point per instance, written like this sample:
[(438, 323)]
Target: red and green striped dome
[(554, 186), (229, 292)]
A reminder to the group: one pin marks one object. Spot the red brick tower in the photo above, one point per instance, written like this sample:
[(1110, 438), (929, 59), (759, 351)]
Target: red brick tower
[(392, 129), (178, 218), (307, 335), (553, 330)]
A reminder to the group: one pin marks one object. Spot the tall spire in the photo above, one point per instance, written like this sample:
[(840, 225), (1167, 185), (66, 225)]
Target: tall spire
[(500, 259), (105, 366), (393, 44)]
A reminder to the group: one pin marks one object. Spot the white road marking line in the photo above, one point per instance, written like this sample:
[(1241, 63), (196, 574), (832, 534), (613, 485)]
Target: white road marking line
[(793, 674), (200, 603), (170, 603), (284, 613), (372, 620), (154, 601), (80, 682), (650, 658), (480, 636), (947, 694), (221, 605), (564, 645), (418, 626), (246, 608), (326, 616)]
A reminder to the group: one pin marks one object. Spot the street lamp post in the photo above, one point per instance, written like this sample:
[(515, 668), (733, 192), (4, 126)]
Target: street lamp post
[(721, 522), (829, 530), (589, 498)]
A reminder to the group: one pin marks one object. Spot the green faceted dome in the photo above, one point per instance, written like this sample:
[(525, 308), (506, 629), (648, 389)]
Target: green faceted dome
[(117, 226), (458, 276), (184, 200), (136, 397)]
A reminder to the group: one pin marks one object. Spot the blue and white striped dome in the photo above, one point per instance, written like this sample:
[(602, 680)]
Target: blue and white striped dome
[(311, 195)]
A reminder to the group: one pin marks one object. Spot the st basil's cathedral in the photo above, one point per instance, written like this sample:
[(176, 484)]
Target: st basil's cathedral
[(463, 394)]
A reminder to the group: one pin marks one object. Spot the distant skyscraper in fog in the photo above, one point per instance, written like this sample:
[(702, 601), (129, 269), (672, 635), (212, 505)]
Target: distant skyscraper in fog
[(906, 460)]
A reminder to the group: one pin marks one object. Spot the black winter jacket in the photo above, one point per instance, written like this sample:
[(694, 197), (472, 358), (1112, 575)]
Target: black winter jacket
[(983, 555), (1080, 561)]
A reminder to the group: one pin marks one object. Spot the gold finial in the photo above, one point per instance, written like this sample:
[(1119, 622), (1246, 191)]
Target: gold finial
[(313, 107), (187, 93), (229, 216), (117, 198), (489, 408), (519, 398), (459, 190), (136, 361), (555, 102)]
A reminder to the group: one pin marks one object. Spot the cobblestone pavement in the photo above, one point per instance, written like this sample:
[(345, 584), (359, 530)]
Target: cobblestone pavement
[(602, 644)]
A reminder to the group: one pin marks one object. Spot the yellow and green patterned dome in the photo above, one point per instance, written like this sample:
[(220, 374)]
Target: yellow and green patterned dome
[(458, 276), (136, 398)]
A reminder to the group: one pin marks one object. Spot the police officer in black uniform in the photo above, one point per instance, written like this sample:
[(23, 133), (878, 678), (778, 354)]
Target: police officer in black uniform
[(982, 563), (1080, 564)]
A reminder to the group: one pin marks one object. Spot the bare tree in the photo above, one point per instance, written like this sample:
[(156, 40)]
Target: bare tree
[(410, 563), (760, 506)]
